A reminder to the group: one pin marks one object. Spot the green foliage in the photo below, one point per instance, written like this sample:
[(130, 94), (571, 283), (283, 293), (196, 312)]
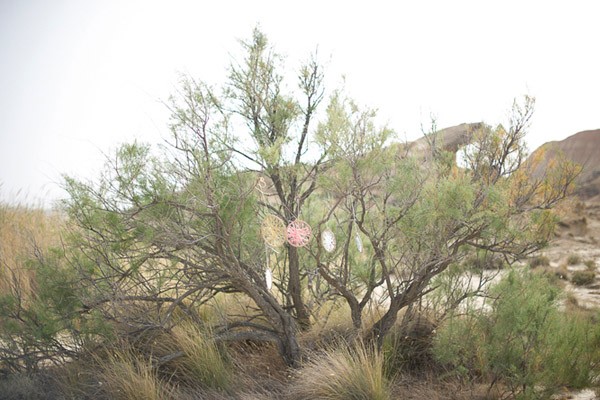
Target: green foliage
[(484, 260), (50, 323), (524, 341), (349, 132)]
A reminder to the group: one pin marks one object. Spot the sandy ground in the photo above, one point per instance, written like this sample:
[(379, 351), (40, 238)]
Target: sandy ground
[(579, 235)]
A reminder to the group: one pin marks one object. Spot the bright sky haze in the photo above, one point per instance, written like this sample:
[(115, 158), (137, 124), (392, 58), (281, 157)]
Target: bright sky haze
[(77, 78)]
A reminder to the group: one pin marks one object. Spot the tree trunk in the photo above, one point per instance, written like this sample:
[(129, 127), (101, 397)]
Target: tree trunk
[(295, 289), (381, 328), (356, 314), (284, 325), (289, 348)]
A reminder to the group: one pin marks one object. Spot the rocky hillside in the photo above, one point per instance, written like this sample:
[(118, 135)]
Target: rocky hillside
[(584, 149), (450, 139)]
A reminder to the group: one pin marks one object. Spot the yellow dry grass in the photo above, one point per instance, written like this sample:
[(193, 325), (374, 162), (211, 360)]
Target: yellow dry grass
[(345, 373), (24, 233), (127, 376), (202, 362)]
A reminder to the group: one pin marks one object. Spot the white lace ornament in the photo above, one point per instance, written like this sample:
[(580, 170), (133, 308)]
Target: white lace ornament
[(328, 240)]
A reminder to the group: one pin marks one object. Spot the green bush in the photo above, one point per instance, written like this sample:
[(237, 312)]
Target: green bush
[(583, 278), (33, 326), (524, 342)]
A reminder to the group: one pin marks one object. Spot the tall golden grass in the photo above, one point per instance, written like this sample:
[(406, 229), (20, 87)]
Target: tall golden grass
[(25, 231), (200, 362), (128, 376), (350, 372)]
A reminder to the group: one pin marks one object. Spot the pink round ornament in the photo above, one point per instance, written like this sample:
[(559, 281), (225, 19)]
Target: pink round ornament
[(299, 233)]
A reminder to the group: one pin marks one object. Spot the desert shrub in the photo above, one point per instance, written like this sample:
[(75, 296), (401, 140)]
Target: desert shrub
[(42, 318), (50, 324), (345, 373), (570, 352), (539, 261), (590, 264), (583, 278), (573, 259), (524, 342)]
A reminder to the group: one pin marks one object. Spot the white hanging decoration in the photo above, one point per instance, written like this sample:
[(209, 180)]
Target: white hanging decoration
[(328, 240), (269, 278), (359, 244)]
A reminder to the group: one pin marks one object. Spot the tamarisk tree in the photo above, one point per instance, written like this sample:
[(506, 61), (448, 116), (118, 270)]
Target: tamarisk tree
[(175, 230), (161, 234), (413, 211)]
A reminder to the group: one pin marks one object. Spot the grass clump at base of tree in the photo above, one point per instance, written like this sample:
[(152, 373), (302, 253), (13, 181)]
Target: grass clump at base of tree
[(348, 372), (127, 376), (195, 357)]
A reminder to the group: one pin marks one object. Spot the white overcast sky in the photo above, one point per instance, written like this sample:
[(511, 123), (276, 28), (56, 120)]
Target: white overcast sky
[(79, 77)]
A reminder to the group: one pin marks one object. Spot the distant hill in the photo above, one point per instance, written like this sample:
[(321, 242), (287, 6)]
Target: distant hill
[(584, 149)]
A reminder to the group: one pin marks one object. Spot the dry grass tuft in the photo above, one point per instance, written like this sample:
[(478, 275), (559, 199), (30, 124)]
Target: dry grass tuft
[(127, 376), (345, 373), (590, 264), (573, 259), (583, 278), (539, 261), (332, 324), (202, 362)]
